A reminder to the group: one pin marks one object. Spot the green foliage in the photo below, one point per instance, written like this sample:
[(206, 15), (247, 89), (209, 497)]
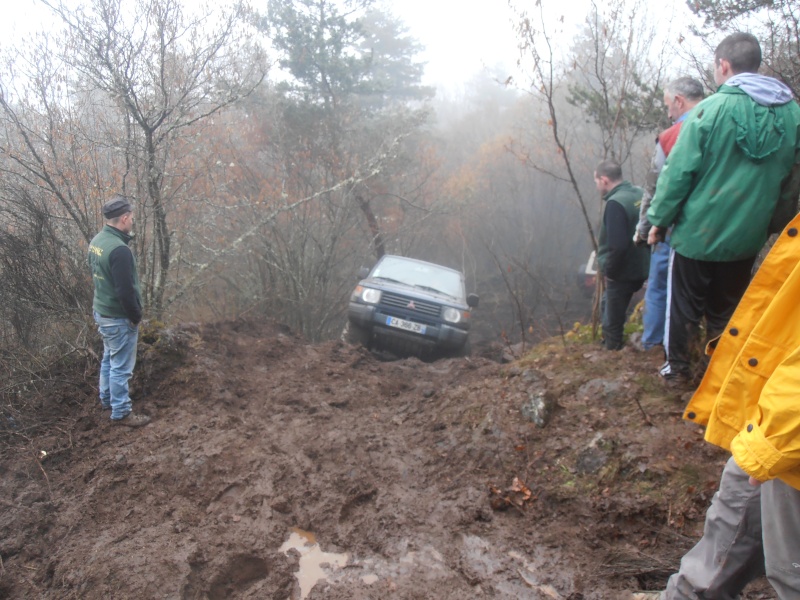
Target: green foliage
[(334, 56), (395, 71), (775, 22), (613, 82), (581, 334), (634, 322), (317, 46), (721, 12), (637, 108)]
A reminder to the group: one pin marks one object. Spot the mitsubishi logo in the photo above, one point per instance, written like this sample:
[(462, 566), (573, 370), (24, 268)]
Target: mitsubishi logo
[(411, 305)]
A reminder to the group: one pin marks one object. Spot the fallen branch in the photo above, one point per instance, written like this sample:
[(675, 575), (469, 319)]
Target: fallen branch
[(46, 478)]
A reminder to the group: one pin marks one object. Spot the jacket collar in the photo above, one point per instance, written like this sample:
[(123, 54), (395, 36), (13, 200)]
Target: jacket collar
[(623, 183), (125, 237)]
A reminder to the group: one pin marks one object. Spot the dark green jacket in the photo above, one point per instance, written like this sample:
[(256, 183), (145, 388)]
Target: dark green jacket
[(618, 257), (733, 168), (116, 283)]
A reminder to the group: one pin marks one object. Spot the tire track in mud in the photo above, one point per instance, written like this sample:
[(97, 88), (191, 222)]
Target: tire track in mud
[(257, 434)]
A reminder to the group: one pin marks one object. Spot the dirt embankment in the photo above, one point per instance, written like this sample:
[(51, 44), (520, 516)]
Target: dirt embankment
[(278, 469)]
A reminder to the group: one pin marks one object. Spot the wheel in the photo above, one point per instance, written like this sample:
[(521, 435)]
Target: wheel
[(353, 334), (460, 352), (465, 350)]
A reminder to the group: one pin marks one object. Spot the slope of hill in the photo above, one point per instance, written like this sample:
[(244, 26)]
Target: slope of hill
[(403, 479)]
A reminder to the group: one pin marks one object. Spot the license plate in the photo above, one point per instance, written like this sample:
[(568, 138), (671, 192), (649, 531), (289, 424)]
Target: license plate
[(407, 325)]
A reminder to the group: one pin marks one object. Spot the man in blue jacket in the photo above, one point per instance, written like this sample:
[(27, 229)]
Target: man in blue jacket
[(680, 97), (117, 308)]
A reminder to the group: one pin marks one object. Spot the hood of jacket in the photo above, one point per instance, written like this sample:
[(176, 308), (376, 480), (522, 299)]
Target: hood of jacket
[(767, 91), (760, 129)]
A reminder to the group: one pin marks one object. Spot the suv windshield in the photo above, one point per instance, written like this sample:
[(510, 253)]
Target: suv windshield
[(425, 276)]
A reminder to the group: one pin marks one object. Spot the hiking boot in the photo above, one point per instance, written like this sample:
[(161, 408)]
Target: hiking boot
[(131, 420), (655, 350), (678, 383)]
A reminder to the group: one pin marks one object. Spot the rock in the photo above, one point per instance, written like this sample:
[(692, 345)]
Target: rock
[(600, 390), (539, 407), (533, 377), (591, 460), (514, 352), (281, 504)]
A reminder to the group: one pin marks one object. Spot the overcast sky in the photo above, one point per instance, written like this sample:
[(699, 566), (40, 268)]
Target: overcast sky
[(461, 37)]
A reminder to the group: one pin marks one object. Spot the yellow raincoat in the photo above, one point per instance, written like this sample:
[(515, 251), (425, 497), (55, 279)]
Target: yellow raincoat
[(750, 395)]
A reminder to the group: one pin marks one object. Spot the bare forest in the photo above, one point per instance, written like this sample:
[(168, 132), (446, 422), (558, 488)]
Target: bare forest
[(272, 148), (271, 152)]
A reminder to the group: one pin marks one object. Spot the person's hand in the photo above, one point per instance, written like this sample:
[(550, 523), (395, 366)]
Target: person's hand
[(755, 482), (638, 240), (657, 234)]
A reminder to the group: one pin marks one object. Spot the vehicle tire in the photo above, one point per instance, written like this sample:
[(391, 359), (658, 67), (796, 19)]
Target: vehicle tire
[(464, 351), (353, 334)]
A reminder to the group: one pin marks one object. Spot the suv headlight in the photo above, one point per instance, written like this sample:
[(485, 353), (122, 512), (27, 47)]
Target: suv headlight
[(371, 295), (451, 315)]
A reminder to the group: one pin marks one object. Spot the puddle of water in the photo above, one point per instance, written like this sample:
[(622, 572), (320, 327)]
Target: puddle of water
[(311, 570)]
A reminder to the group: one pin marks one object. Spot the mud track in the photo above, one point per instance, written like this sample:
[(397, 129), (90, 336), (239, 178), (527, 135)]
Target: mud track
[(419, 480)]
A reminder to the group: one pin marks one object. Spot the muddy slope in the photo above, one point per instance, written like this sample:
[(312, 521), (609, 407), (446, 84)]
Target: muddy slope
[(423, 480)]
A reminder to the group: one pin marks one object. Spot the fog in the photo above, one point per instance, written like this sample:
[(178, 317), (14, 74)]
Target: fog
[(273, 151)]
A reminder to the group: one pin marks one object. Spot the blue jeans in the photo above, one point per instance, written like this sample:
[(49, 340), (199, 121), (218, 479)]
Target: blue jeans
[(119, 357), (655, 297)]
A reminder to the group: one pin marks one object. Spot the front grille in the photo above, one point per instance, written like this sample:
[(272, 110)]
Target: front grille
[(420, 307)]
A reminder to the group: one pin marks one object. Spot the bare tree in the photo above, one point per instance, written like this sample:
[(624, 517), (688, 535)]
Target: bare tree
[(162, 71), (775, 22), (112, 102), (607, 75)]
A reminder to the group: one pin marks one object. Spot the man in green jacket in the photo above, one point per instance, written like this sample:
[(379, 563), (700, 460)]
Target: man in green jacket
[(731, 180), (117, 308), (623, 264)]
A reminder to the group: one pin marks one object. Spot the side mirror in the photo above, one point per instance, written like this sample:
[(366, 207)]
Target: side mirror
[(363, 272), (472, 300)]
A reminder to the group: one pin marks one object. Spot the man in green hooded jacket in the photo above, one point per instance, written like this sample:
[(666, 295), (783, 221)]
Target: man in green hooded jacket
[(731, 180)]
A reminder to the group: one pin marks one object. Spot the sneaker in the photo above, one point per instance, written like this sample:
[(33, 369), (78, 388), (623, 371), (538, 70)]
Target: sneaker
[(678, 383), (645, 596), (674, 379), (635, 341), (131, 420)]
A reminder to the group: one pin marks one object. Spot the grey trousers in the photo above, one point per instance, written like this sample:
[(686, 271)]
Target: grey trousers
[(749, 530)]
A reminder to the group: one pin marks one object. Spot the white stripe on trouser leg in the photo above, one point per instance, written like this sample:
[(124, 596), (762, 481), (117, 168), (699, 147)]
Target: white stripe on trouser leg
[(665, 370)]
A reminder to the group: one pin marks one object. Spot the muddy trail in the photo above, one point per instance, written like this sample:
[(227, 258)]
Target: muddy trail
[(278, 469)]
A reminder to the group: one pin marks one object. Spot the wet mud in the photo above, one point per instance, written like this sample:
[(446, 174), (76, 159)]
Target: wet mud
[(274, 468)]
